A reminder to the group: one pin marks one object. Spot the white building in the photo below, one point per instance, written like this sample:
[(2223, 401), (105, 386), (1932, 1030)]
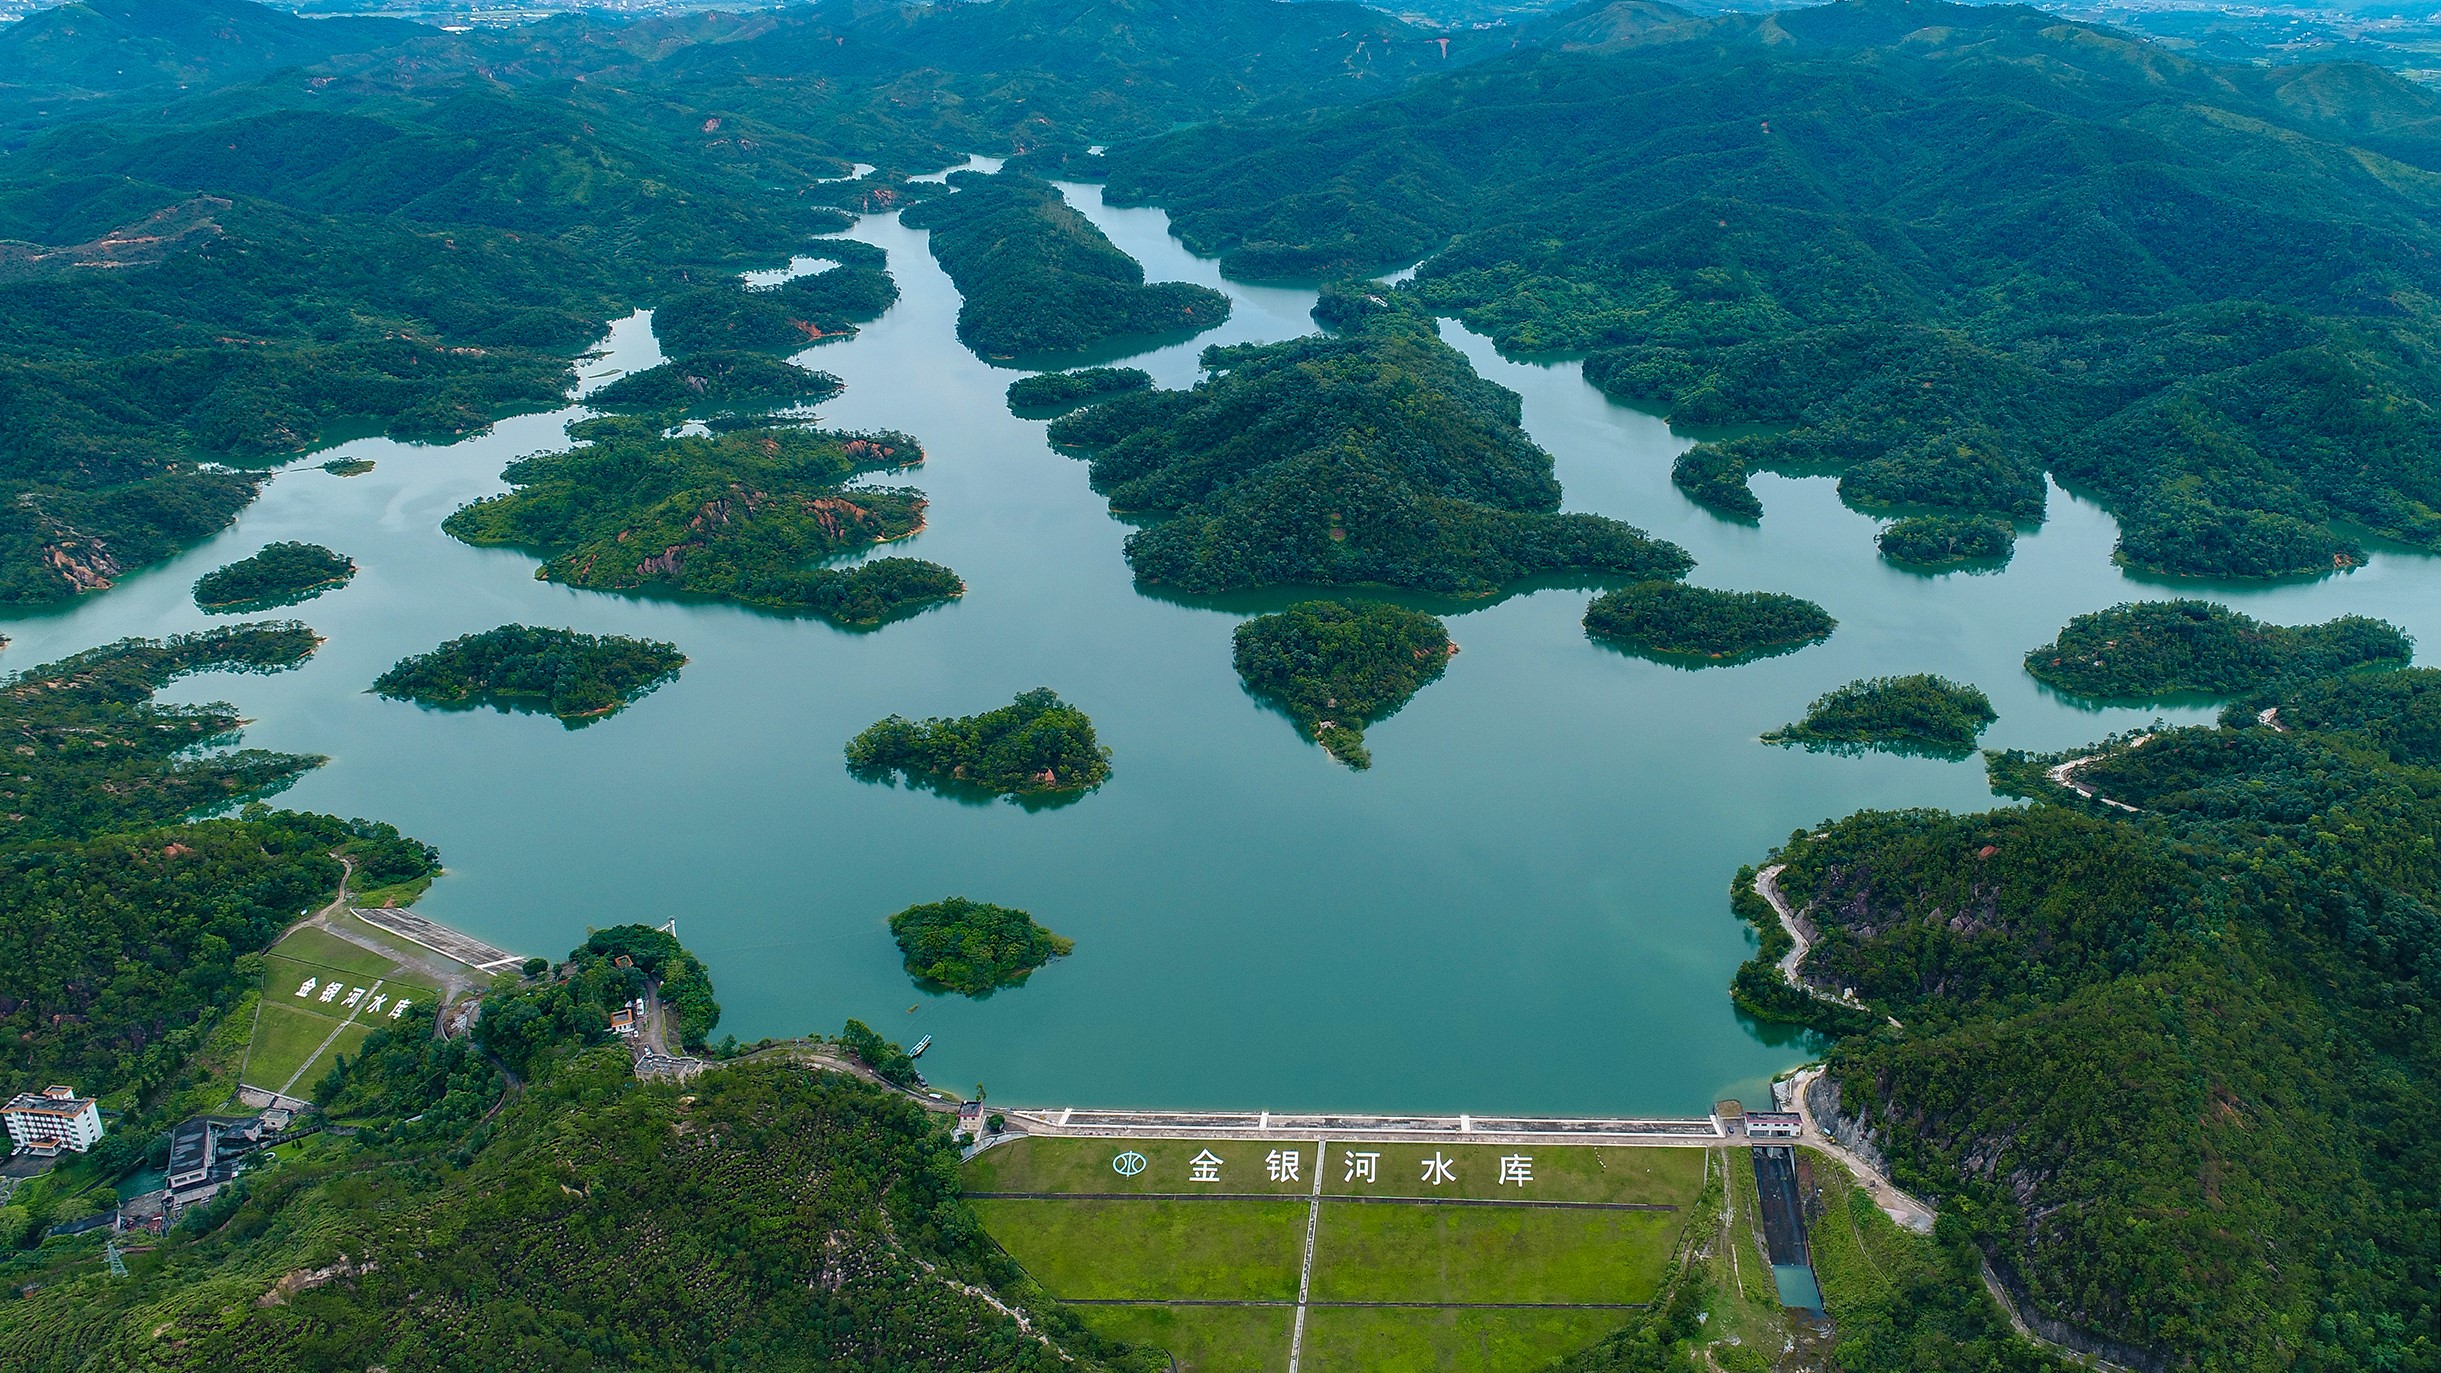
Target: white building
[(1774, 1124), (53, 1119)]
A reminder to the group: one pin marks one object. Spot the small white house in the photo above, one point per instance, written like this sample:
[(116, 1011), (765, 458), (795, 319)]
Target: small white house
[(53, 1119)]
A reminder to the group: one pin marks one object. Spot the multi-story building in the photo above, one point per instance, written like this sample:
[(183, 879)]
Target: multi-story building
[(52, 1119)]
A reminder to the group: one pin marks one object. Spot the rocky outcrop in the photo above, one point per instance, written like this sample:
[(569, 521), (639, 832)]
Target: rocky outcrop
[(1822, 1103)]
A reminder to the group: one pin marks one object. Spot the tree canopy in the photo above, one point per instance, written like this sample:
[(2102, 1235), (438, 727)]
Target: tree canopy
[(1674, 620), (1338, 666), (971, 947), (1917, 711), (1035, 746)]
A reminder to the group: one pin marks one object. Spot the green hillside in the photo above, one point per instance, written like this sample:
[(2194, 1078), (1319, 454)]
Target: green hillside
[(1940, 249)]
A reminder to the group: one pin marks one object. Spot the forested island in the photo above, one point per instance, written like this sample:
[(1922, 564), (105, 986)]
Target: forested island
[(1812, 220), (1942, 541), (1338, 666), (281, 574), (1376, 456), (348, 467), (1036, 747), (1067, 390), (2164, 648), (728, 314), (1918, 711), (725, 377), (1035, 277), (1677, 621), (2217, 972), (973, 948), (578, 677), (744, 515)]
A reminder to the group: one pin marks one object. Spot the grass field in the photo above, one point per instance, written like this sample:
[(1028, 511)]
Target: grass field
[(1204, 1339), (1202, 1250), (1484, 1254), (1344, 1341), (291, 1031), (1669, 1177), (1108, 1235)]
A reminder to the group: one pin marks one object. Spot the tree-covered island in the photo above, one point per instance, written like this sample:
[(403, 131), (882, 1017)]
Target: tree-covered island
[(578, 677), (1338, 666), (1915, 712), (281, 574), (728, 314), (1036, 747), (1037, 277), (973, 948), (2163, 648), (1940, 541), (1066, 390), (1698, 624), (746, 515), (710, 380), (1375, 455)]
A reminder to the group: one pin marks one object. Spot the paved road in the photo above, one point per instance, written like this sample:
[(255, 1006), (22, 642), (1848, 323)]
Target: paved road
[(1908, 1211), (1695, 1131), (1767, 886), (2066, 773)]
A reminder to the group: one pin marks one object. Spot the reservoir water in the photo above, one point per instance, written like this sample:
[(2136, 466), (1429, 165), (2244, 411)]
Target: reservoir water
[(1522, 906)]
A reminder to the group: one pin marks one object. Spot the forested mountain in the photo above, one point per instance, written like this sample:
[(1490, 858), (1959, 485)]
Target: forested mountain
[(417, 236), (2170, 1065), (1940, 248), (64, 62), (518, 1199)]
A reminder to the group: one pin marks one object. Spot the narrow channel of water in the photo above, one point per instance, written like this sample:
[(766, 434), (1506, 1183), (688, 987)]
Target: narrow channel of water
[(1521, 907)]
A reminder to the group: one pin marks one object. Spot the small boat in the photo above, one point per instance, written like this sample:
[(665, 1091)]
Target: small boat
[(920, 1046)]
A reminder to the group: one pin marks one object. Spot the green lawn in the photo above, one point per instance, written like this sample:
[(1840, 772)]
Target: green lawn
[(351, 1038), (1204, 1339), (1210, 1250), (1670, 1177), (1084, 1165), (292, 1028), (327, 950), (284, 1039), (1345, 1341), (1483, 1254), (1091, 1244)]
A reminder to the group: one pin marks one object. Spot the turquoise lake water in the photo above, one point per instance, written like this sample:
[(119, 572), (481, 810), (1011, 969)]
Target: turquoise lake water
[(1521, 907)]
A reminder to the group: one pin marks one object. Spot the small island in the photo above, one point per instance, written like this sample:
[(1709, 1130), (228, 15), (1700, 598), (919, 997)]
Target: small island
[(1055, 391), (747, 515), (2146, 649), (1338, 666), (580, 678), (348, 467), (1920, 712), (723, 377), (281, 574), (1679, 622), (972, 948), (1940, 541), (1035, 747)]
